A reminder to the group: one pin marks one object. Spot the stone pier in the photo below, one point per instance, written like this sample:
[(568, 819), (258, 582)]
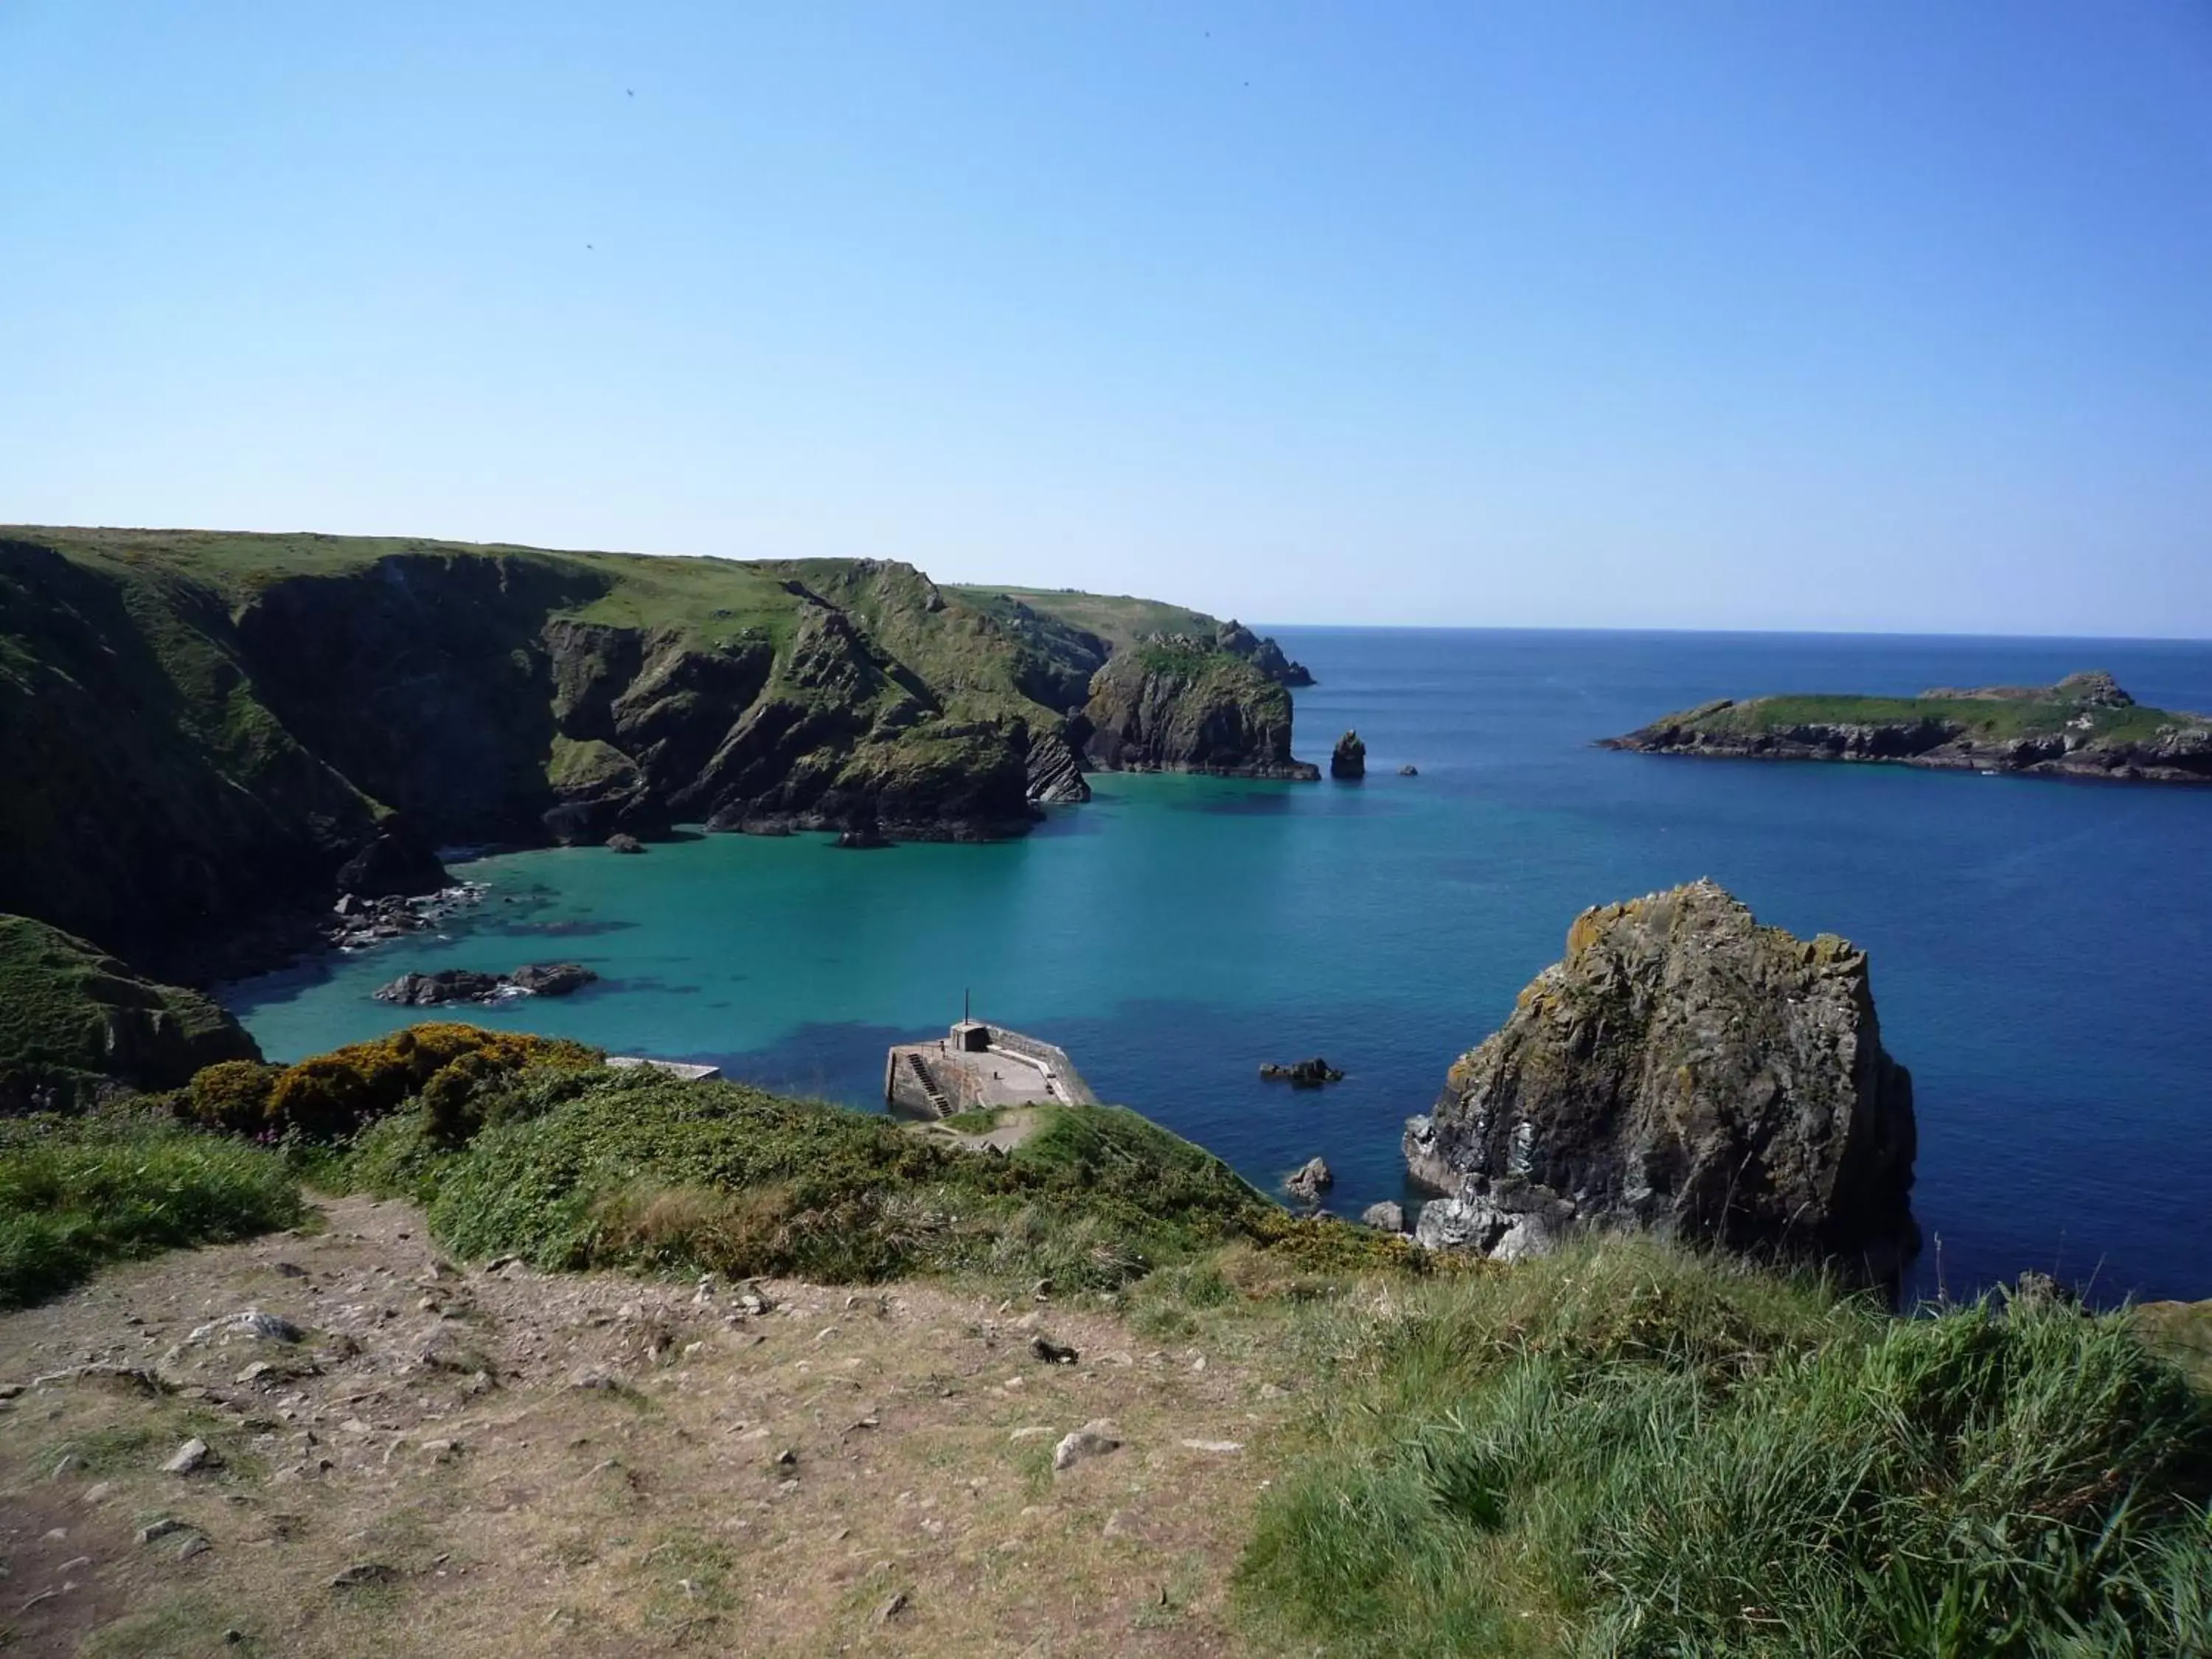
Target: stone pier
[(975, 1066)]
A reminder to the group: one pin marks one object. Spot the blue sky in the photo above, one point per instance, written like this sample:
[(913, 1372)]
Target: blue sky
[(1884, 316)]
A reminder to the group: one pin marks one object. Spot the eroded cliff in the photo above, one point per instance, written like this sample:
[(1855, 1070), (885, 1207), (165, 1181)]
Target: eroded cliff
[(1179, 703)]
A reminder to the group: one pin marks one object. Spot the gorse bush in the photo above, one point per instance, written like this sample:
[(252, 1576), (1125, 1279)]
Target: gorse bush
[(1626, 1450), (78, 1192), (447, 1064)]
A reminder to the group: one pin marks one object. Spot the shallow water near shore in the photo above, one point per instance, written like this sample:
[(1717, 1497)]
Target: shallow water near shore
[(2042, 950)]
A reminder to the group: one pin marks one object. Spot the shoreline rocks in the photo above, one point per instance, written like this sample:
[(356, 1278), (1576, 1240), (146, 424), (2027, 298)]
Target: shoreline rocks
[(1685, 1071), (361, 923), (1310, 1180)]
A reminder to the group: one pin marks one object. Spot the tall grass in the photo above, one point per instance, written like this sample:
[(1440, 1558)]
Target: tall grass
[(1627, 1450), (79, 1192)]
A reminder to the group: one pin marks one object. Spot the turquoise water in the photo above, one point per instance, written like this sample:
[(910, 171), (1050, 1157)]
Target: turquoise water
[(2042, 950)]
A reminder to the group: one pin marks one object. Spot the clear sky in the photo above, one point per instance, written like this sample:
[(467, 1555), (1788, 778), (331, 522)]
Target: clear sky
[(1751, 315)]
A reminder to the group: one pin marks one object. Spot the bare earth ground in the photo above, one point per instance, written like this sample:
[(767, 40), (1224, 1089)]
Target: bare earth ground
[(516, 1462)]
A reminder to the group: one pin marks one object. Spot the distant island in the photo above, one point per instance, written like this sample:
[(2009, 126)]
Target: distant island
[(2084, 726)]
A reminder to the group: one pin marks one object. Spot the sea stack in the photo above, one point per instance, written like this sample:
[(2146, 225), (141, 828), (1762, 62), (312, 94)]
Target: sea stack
[(1685, 1071), (1350, 760)]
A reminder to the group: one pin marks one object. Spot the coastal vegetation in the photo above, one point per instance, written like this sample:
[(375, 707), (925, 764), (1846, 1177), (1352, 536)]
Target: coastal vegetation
[(1629, 1449), (79, 1192), (1628, 1446), (571, 1167), (76, 1024), (2083, 727)]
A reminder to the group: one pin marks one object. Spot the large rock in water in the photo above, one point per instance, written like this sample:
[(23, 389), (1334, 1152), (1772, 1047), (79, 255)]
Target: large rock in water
[(1687, 1071), (1175, 703), (1349, 759)]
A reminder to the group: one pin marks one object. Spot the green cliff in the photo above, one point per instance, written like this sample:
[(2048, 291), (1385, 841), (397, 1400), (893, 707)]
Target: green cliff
[(2084, 726), (74, 1024), (1179, 703), (200, 728)]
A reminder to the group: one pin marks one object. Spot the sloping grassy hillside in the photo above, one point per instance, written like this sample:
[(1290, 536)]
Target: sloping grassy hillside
[(1120, 619), (581, 1168), (74, 1020), (1626, 1449)]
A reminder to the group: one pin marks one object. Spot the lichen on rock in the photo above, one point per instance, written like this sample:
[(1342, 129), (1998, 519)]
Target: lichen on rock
[(1687, 1071)]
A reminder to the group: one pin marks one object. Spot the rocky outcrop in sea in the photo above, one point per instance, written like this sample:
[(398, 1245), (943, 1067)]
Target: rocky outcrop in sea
[(1687, 1071), (1178, 703), (2084, 726), (544, 979), (1349, 759)]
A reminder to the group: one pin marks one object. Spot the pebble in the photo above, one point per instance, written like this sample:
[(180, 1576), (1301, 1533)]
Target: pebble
[(190, 1458), (1093, 1439), (361, 1573), (160, 1529)]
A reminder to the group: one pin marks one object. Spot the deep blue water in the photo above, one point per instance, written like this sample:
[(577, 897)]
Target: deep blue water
[(2042, 950)]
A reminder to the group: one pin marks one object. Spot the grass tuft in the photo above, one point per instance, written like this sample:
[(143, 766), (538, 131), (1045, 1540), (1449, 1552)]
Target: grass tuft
[(1627, 1450), (76, 1192)]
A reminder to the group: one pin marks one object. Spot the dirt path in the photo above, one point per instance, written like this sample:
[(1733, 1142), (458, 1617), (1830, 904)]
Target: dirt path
[(513, 1462)]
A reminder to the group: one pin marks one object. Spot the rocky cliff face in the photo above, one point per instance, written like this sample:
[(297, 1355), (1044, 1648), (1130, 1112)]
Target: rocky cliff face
[(203, 728), (76, 1024), (1686, 1070), (1179, 704), (2084, 726)]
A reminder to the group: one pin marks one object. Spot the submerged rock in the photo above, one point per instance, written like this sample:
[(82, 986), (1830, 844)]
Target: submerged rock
[(1687, 1071), (624, 841), (1409, 770), (544, 979), (551, 979)]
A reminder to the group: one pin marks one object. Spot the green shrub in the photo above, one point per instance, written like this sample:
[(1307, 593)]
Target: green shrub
[(77, 1191), (1630, 1450), (576, 1168)]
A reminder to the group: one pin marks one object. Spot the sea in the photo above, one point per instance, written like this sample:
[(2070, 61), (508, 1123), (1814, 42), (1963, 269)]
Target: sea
[(2041, 949)]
